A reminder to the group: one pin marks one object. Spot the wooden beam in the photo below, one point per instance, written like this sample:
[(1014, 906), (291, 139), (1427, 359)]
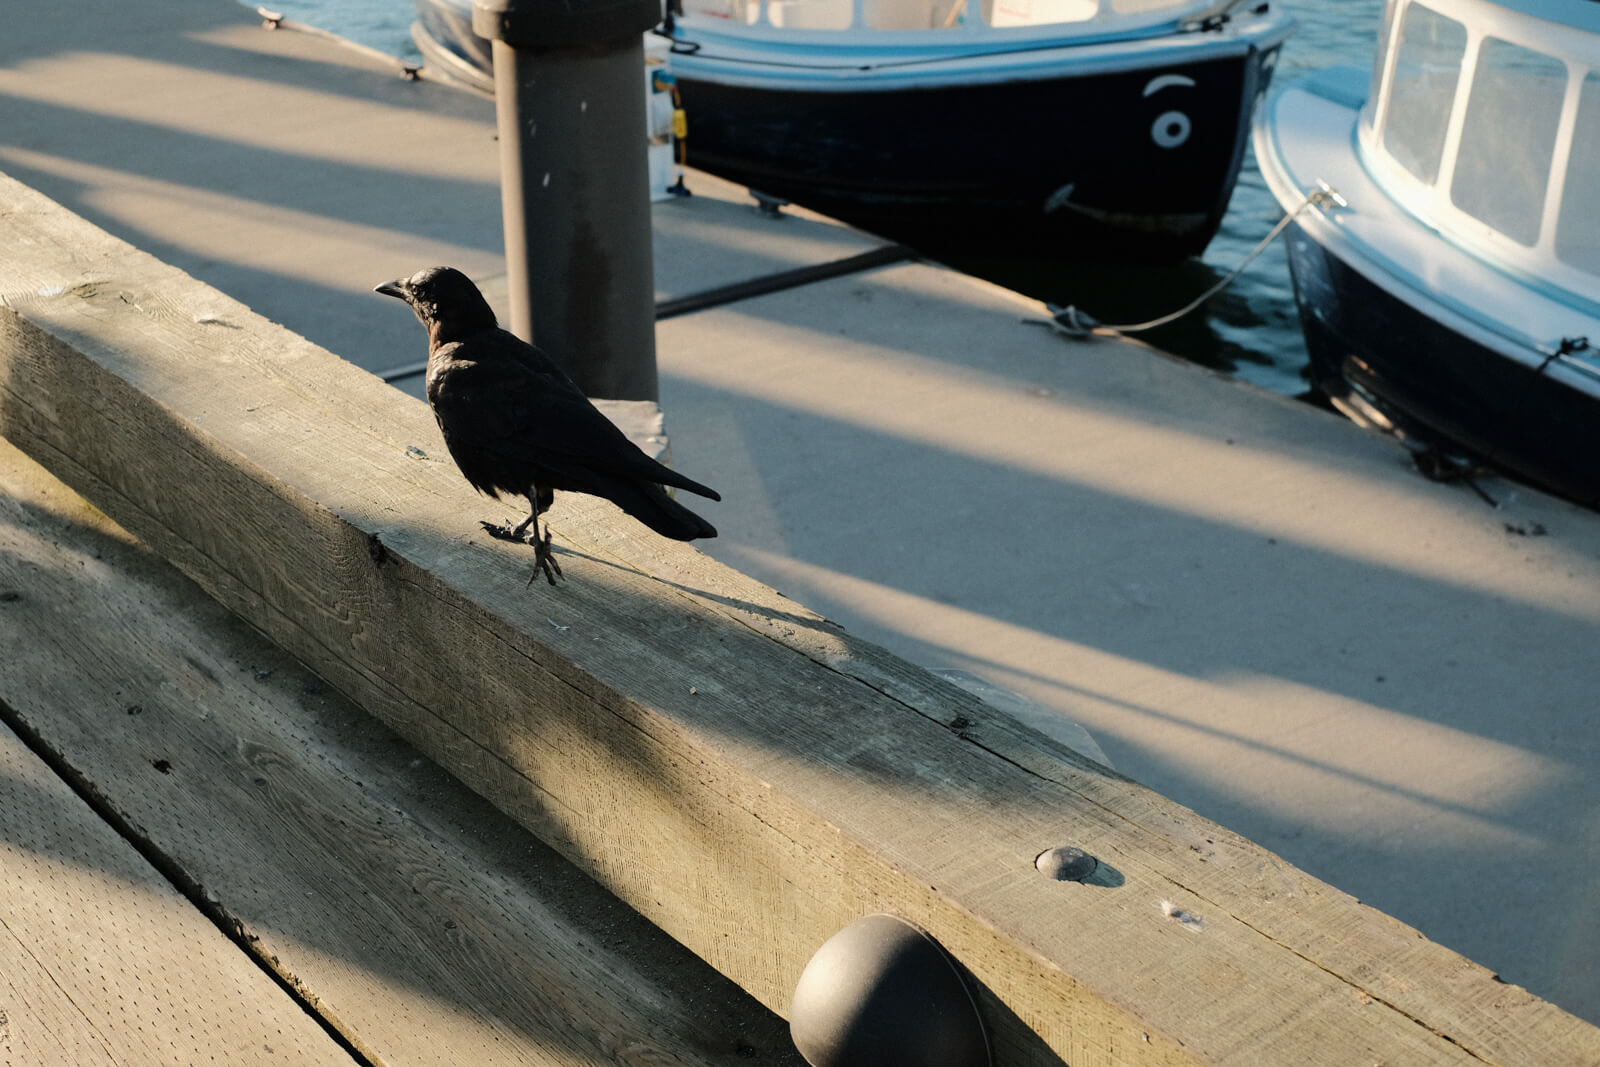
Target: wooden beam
[(406, 914), (744, 774)]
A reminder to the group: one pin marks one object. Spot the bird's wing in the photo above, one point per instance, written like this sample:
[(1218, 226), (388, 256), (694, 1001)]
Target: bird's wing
[(524, 409)]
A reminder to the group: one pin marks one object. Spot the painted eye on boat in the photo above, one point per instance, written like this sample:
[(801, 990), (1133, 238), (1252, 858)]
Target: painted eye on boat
[(1170, 129)]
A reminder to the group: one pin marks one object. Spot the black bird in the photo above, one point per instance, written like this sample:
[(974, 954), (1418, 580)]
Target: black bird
[(516, 423)]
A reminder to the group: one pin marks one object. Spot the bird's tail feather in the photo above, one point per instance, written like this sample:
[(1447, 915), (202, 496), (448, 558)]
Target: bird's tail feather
[(668, 476), (651, 505)]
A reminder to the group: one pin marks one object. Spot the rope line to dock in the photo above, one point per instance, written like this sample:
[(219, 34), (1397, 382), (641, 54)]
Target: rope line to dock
[(1071, 322)]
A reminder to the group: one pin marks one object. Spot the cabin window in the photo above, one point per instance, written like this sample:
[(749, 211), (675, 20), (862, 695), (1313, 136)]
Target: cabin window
[(1426, 70), (1578, 229), (732, 10), (1139, 7), (1503, 164), (914, 14), (1005, 13), (790, 14), (808, 14), (1040, 12)]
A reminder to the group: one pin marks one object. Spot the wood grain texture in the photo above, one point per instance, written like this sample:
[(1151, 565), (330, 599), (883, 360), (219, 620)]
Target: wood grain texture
[(103, 962), (742, 773), (421, 924)]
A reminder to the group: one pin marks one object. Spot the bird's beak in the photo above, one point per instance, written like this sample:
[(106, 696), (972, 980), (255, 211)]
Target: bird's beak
[(394, 288)]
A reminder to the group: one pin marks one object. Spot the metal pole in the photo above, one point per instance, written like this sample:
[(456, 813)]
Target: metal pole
[(574, 178)]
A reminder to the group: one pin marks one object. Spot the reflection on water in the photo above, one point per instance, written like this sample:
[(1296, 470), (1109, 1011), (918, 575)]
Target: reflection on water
[(1250, 330)]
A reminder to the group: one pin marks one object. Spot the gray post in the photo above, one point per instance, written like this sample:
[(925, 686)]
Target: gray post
[(569, 96)]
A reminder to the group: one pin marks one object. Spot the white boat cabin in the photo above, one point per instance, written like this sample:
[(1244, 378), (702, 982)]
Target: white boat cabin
[(1484, 121), (951, 15)]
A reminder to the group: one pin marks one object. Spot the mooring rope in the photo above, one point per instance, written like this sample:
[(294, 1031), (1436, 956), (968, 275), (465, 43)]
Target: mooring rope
[(1071, 322)]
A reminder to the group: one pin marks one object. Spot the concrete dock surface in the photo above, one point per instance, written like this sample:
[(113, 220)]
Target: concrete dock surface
[(1255, 608)]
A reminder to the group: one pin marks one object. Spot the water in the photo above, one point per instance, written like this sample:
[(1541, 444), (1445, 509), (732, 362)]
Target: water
[(381, 24), (1249, 330), (1254, 331)]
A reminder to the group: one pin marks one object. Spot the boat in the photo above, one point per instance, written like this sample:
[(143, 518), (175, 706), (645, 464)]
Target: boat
[(450, 49), (1074, 129), (452, 52), (1447, 274)]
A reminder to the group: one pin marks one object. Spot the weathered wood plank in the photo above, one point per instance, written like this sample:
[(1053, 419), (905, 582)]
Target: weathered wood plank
[(1376, 954), (422, 924), (103, 962), (746, 776)]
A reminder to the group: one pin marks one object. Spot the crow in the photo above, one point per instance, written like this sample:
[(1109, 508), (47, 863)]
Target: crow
[(516, 423)]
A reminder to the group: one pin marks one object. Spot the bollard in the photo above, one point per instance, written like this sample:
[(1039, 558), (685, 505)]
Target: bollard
[(883, 993), (574, 184)]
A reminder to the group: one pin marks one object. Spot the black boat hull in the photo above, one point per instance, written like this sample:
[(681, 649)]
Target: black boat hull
[(1368, 346), (1084, 167), (1133, 161)]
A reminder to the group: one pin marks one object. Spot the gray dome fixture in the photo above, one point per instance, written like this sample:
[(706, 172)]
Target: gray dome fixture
[(883, 993)]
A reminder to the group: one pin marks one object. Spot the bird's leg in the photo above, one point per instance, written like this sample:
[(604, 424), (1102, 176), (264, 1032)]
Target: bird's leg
[(543, 559)]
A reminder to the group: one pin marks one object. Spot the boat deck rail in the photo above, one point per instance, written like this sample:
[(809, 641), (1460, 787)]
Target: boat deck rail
[(961, 19)]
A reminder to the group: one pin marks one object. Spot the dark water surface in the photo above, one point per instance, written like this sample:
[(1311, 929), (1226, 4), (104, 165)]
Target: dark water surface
[(1249, 330)]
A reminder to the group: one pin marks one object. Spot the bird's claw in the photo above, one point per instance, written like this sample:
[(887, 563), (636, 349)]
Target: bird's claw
[(544, 561)]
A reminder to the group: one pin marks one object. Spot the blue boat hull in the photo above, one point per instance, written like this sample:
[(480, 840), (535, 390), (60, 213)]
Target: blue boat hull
[(1437, 385)]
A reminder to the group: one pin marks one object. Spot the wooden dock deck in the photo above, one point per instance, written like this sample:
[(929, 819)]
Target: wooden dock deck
[(1259, 611), (219, 859)]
